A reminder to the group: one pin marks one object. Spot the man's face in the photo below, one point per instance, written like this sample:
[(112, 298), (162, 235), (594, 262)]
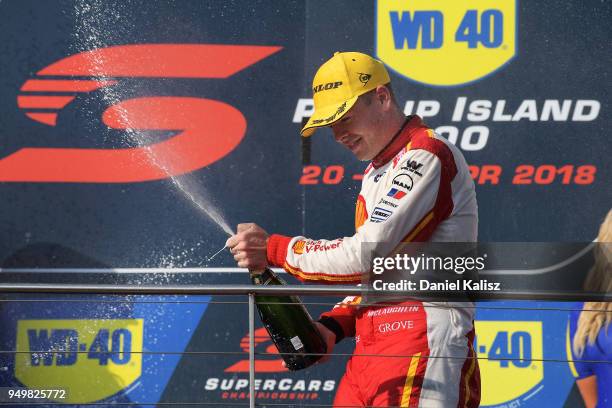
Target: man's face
[(359, 128)]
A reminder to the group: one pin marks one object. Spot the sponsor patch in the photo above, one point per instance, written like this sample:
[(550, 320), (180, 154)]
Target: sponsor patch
[(380, 214), (298, 247), (378, 176), (389, 203), (326, 87), (395, 193), (318, 246), (364, 78), (395, 326), (402, 181), (412, 166), (393, 309), (361, 213)]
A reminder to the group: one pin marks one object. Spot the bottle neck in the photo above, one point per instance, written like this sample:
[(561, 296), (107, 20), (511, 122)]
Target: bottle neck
[(263, 278)]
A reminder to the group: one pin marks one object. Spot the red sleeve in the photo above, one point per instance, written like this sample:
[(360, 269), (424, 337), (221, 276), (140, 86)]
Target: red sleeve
[(277, 249)]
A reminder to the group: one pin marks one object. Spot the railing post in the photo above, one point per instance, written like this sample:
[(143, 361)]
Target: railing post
[(251, 350)]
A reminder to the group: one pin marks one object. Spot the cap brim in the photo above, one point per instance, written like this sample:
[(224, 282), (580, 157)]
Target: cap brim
[(327, 116)]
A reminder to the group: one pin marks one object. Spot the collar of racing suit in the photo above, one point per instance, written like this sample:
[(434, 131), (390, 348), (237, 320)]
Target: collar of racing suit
[(398, 141)]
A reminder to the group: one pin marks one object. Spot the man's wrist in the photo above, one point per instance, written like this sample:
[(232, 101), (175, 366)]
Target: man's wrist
[(276, 249), (333, 326)]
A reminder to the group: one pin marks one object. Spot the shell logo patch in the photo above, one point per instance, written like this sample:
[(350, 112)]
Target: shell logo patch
[(298, 247)]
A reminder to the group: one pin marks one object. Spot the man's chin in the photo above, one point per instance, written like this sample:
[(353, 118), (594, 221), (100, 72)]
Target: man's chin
[(363, 156)]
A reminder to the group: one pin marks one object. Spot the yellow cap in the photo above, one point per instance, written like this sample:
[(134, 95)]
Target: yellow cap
[(339, 82)]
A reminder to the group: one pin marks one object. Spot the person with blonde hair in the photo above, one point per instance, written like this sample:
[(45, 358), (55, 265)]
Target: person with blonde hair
[(591, 339)]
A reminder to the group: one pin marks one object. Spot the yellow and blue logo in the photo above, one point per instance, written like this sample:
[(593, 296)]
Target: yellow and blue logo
[(510, 357), (446, 43), (90, 359)]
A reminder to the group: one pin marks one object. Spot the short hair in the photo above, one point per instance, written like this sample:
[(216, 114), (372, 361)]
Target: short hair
[(367, 97)]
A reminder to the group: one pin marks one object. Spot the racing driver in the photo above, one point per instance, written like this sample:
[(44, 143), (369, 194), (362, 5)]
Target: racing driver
[(416, 188)]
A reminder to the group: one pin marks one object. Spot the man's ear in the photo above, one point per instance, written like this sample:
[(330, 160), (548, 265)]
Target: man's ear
[(383, 95)]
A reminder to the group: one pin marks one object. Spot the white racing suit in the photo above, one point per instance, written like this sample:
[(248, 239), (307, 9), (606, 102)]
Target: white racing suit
[(417, 189)]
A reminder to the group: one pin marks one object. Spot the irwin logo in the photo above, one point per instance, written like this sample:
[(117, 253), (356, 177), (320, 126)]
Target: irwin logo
[(326, 87)]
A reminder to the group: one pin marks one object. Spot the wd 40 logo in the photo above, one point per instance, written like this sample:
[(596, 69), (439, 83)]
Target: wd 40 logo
[(510, 354), (445, 43), (90, 359)]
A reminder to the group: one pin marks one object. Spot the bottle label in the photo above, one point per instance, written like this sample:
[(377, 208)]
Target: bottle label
[(297, 343)]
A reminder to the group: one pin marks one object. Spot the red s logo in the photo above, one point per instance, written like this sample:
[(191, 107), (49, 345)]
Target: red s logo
[(261, 366), (209, 129)]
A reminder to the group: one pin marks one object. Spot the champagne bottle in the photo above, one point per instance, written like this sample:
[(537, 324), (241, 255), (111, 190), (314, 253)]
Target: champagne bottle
[(289, 324)]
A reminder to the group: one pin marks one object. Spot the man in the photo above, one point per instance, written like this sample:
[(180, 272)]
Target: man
[(416, 188)]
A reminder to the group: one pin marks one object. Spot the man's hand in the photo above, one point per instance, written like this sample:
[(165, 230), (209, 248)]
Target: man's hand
[(249, 246), (330, 340)]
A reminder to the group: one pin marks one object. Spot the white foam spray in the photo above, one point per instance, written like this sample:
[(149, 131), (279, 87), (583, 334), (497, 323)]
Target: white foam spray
[(93, 30)]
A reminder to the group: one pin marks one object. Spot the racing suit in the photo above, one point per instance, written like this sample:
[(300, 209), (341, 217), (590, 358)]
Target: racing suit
[(418, 188)]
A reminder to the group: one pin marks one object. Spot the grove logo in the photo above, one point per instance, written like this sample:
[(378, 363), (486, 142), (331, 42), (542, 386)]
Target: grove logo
[(206, 130), (510, 357), (90, 359), (445, 43)]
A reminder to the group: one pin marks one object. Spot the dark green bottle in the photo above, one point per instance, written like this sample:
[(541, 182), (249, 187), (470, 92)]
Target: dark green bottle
[(289, 324)]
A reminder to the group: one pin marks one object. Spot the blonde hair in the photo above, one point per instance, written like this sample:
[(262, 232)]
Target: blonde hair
[(597, 314)]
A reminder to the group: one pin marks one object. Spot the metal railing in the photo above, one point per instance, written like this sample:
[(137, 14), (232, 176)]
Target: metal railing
[(251, 291)]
